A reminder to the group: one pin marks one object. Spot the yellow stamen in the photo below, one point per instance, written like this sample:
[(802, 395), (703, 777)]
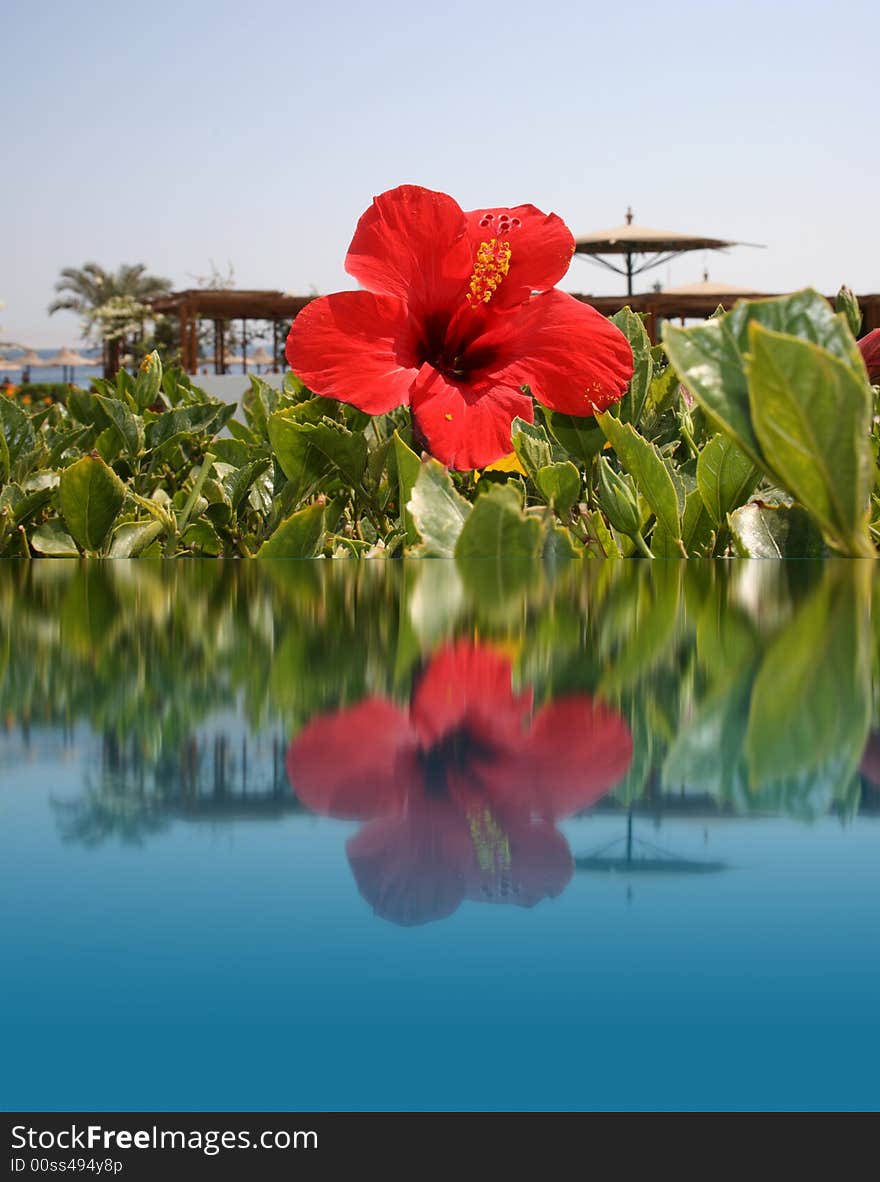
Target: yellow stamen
[(490, 268)]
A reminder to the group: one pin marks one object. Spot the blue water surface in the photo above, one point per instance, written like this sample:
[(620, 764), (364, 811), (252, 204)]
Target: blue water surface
[(225, 959)]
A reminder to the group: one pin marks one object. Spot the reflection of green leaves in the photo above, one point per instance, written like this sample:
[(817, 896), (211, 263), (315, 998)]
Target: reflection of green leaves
[(437, 510), (812, 697), (90, 495)]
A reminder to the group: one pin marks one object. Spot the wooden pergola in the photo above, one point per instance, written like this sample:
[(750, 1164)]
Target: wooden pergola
[(280, 309), (661, 305), (195, 304)]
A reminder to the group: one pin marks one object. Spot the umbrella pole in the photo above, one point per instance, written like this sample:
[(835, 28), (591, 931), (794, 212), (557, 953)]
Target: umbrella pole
[(629, 273)]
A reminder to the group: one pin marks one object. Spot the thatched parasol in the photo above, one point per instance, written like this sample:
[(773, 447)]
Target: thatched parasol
[(643, 247)]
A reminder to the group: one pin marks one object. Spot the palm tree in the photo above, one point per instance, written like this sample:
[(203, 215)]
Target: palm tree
[(88, 289)]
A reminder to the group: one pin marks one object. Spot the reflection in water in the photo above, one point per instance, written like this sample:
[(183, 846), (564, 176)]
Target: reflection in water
[(458, 712), (462, 788)]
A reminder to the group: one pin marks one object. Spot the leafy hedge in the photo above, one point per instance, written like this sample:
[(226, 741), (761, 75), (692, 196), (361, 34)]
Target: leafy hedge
[(750, 434)]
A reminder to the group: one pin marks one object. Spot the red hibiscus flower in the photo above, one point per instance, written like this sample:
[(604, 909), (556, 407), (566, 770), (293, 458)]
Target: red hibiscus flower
[(870, 349), (461, 791), (459, 314)]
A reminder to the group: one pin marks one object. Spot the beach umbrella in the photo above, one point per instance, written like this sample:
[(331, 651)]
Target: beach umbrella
[(642, 247), (7, 364), (261, 357), (31, 360), (631, 855), (69, 359), (711, 289)]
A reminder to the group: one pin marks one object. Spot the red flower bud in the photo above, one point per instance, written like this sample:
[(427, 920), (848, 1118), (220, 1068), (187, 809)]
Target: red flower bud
[(870, 348)]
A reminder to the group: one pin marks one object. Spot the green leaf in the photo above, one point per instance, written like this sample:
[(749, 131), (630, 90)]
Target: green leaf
[(498, 528), (408, 466), (300, 536), (309, 451), (133, 537), (581, 437), (202, 536), (437, 510), (726, 477), (559, 544), (17, 432), (710, 357), (642, 460), (237, 482), (696, 532), (531, 445), (131, 430), (768, 531), (53, 540), (90, 495), (559, 485), (633, 402), (812, 416)]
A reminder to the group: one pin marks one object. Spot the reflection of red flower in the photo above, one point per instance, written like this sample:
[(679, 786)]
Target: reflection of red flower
[(461, 791), (449, 324), (870, 762)]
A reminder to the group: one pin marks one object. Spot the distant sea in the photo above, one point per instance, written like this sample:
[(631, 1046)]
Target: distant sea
[(82, 375)]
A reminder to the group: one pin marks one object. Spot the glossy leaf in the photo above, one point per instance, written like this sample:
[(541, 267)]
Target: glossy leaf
[(582, 438), (768, 531), (642, 460), (498, 528), (309, 451), (559, 485), (812, 416), (53, 540), (633, 402), (408, 467), (437, 510), (531, 445), (726, 477), (132, 538), (300, 536), (90, 496)]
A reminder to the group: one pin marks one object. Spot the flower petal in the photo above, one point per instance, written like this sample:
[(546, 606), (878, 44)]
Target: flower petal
[(517, 860), (465, 427), (576, 751), (468, 684), (869, 347), (541, 248), (411, 868), (412, 243), (360, 348), (571, 357), (355, 764)]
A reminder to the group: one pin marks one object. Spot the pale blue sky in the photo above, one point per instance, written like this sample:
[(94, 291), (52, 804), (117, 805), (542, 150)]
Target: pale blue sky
[(257, 132)]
